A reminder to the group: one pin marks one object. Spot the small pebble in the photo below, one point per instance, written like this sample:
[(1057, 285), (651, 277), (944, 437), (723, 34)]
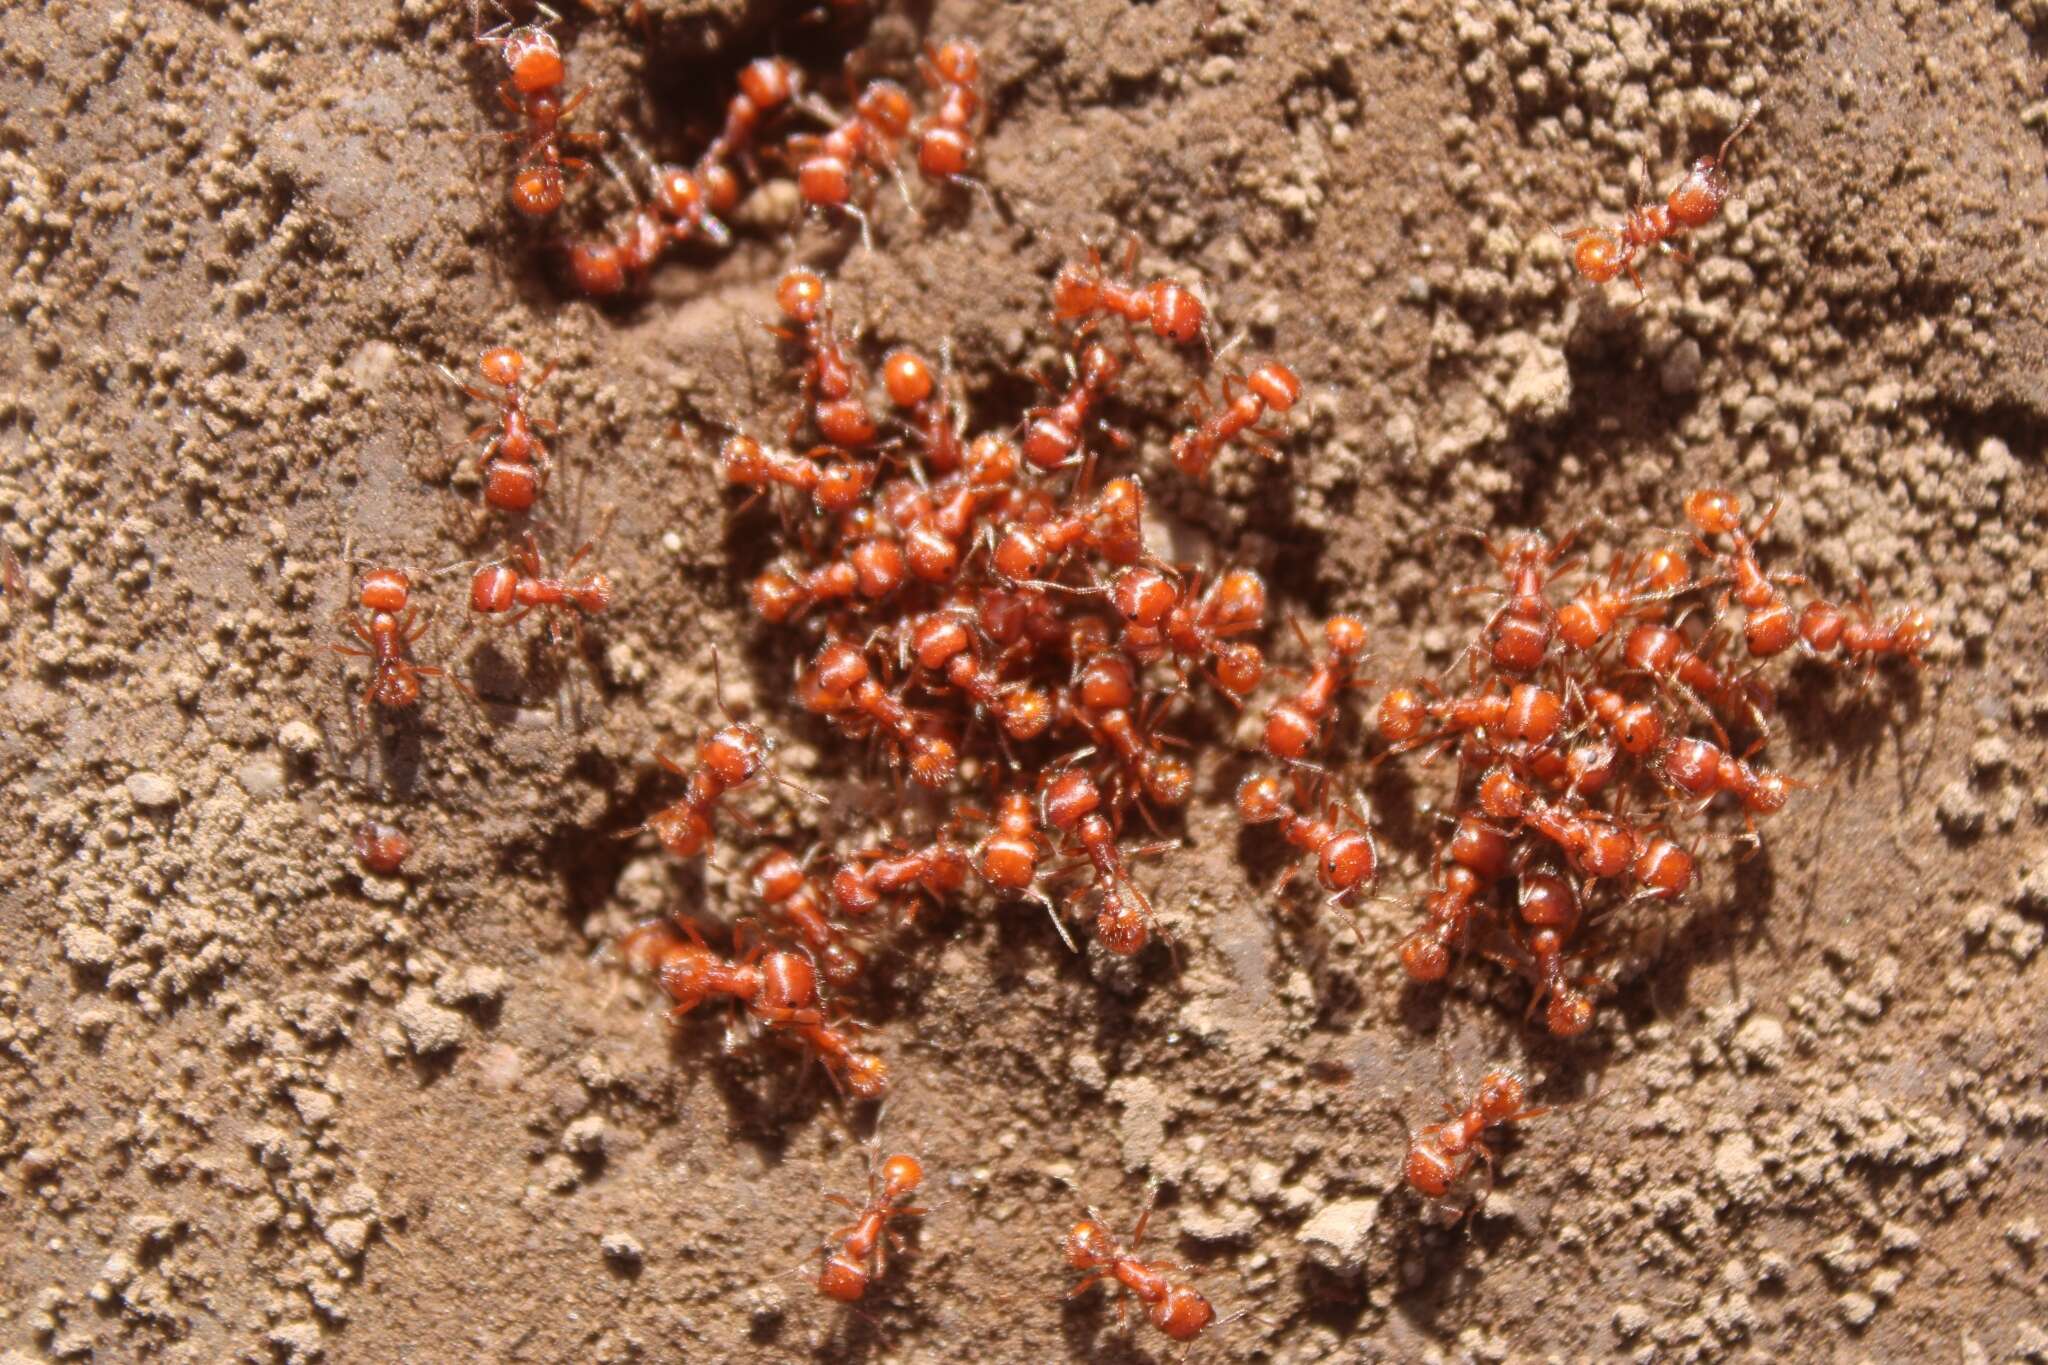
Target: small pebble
[(152, 791)]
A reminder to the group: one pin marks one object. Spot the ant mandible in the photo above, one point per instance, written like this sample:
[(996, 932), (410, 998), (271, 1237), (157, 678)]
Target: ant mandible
[(1600, 254)]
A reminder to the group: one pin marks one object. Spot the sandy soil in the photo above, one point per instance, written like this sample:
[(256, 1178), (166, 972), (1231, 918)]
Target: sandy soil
[(259, 1105)]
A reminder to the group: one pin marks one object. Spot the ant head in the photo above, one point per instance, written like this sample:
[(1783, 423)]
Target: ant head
[(1501, 1093), (1169, 780), (1090, 1245), (1346, 636), (769, 81), (1569, 1013), (1424, 957), (1123, 924), (1713, 511), (885, 105), (534, 60), (901, 1174), (385, 590), (502, 366), (908, 379), (801, 296)]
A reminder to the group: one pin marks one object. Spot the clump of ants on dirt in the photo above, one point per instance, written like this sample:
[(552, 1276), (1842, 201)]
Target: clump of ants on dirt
[(981, 607)]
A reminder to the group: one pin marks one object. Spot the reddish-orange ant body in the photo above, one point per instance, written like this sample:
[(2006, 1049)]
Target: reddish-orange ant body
[(1347, 859), (778, 880), (943, 645), (1071, 803), (1174, 1306), (382, 848), (1600, 254), (945, 143), (727, 759), (1085, 292), (1195, 626), (514, 587), (833, 385), (515, 461), (1825, 628), (1480, 855), (1269, 386), (532, 91), (1053, 435), (766, 85), (390, 630), (1597, 844), (1104, 700), (841, 684), (861, 145), (862, 1254), (1294, 725), (1442, 1153), (939, 869)]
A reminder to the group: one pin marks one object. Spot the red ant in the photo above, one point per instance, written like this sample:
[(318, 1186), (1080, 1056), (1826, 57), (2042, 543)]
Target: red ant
[(1347, 860), (1597, 844), (1768, 627), (1195, 625), (911, 385), (1270, 385), (1519, 631), (863, 143), (382, 848), (1479, 856), (727, 759), (1700, 768), (943, 644), (766, 84), (945, 144), (1548, 911), (779, 988), (1524, 713), (515, 461), (521, 585), (778, 880), (1669, 657), (391, 629), (1598, 254), (1175, 1307), (841, 684), (1111, 526), (873, 569), (1442, 1153), (1103, 701), (1588, 620), (833, 383), (1008, 857), (835, 486), (939, 869), (532, 91), (1053, 435), (1071, 803), (1825, 627), (678, 211), (862, 1255), (1086, 292), (1294, 725)]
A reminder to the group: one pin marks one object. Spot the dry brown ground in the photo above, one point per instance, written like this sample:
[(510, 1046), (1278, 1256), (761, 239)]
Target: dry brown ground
[(258, 1106)]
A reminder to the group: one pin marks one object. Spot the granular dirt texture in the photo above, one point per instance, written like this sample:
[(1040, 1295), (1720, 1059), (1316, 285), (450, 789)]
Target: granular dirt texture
[(261, 1104)]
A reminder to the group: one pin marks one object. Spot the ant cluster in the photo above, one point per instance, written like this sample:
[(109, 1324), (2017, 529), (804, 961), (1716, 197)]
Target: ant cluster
[(836, 172), (1597, 725), (980, 608)]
